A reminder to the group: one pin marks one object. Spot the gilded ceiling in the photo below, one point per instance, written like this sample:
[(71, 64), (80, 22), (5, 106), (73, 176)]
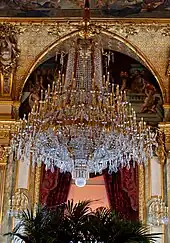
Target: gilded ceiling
[(104, 8)]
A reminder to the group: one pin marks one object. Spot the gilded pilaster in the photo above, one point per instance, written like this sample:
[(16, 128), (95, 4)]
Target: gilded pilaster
[(3, 162), (37, 184), (165, 128), (9, 54), (142, 204), (7, 169)]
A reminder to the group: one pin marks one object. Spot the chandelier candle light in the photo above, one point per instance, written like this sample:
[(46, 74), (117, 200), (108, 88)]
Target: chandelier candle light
[(83, 122)]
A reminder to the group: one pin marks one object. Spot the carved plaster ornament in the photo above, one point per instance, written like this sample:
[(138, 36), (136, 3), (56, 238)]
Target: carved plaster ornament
[(3, 154), (9, 54), (161, 150)]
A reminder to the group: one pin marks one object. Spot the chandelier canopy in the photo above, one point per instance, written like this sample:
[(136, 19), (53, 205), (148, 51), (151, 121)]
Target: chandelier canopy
[(83, 122)]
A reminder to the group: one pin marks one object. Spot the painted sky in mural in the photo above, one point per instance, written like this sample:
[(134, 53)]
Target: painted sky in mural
[(99, 8)]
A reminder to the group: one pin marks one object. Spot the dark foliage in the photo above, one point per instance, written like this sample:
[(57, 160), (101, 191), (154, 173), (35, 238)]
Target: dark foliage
[(77, 222)]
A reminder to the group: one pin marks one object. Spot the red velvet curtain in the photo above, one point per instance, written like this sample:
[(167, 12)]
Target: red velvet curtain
[(122, 191), (54, 187)]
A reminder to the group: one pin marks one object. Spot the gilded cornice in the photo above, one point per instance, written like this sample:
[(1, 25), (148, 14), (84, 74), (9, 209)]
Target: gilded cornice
[(126, 26), (57, 27)]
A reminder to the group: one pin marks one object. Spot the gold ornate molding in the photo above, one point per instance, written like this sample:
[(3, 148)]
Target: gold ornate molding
[(9, 54), (127, 27), (165, 128), (3, 155), (3, 161), (6, 128), (37, 184), (142, 203), (161, 149), (62, 26), (2, 186)]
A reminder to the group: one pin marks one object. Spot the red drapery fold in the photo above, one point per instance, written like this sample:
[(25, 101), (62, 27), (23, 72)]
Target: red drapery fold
[(122, 191), (54, 187)]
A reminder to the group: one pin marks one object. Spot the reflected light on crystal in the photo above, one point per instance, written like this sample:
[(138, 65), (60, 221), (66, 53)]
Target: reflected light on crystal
[(80, 182), (83, 124)]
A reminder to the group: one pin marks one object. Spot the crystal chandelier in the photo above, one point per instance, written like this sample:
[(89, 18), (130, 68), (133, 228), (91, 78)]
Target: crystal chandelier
[(83, 123), (158, 212)]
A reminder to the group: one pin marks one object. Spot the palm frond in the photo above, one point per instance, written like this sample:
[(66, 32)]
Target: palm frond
[(76, 222)]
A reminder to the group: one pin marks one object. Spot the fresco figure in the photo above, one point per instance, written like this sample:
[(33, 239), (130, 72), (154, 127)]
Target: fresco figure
[(124, 80), (151, 5), (122, 8), (137, 85), (32, 91), (151, 100), (108, 8)]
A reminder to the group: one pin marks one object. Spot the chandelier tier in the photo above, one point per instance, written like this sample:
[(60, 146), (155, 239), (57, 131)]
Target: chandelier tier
[(83, 122)]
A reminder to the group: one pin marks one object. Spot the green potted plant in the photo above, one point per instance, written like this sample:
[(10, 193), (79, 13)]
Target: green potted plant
[(76, 222)]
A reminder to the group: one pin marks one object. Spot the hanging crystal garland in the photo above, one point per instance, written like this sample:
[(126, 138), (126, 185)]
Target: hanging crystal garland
[(83, 123)]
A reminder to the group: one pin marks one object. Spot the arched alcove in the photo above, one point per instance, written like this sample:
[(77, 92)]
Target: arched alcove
[(146, 97), (109, 40), (126, 68)]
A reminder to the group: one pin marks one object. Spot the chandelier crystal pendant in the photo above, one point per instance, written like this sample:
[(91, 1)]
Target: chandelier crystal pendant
[(83, 122)]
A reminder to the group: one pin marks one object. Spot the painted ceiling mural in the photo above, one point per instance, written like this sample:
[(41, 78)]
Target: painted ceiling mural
[(99, 8)]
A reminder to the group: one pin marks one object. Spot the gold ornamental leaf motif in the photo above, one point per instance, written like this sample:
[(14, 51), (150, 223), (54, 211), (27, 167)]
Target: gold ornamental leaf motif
[(133, 28), (59, 29), (3, 154), (166, 31), (9, 51)]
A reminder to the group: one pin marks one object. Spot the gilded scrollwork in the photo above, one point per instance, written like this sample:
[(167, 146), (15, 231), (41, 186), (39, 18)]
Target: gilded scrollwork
[(3, 155), (56, 28), (141, 182), (133, 28), (6, 129), (166, 30), (161, 149), (15, 110), (60, 29), (165, 129), (37, 185), (9, 54)]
